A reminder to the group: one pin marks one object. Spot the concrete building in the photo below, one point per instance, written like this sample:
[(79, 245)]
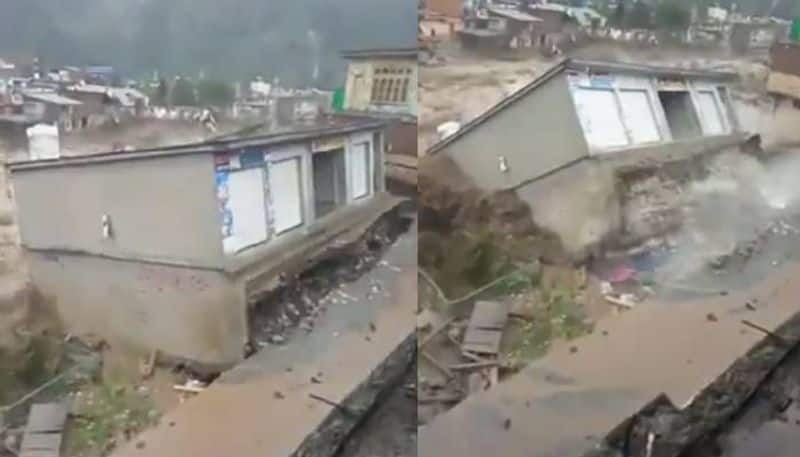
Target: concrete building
[(757, 35), (582, 125), (382, 80), (165, 248), (383, 83), (449, 8), (96, 104), (50, 108), (499, 28), (558, 25)]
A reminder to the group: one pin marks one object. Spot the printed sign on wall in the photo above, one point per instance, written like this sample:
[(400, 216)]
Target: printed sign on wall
[(223, 202)]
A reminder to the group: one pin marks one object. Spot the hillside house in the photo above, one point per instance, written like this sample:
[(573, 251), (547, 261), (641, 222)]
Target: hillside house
[(383, 83), (580, 125), (166, 248)]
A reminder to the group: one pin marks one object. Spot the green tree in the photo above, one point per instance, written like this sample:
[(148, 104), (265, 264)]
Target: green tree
[(183, 93), (672, 16), (215, 93), (640, 16), (161, 94), (618, 19)]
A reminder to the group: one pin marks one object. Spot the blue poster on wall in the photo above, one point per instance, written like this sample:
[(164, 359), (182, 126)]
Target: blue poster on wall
[(223, 201)]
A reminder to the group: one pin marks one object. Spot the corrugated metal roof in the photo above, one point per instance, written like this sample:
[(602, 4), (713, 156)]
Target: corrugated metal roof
[(550, 7), (51, 97), (513, 14), (249, 138), (89, 88)]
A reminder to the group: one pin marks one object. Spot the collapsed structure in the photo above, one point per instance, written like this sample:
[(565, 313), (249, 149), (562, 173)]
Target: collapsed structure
[(164, 248), (572, 144)]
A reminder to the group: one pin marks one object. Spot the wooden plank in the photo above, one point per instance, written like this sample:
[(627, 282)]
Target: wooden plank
[(41, 442), (46, 417), (489, 315), (39, 453), (485, 329)]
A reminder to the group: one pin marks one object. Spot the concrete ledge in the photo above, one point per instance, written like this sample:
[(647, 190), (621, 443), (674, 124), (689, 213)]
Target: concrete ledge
[(712, 408), (260, 268), (328, 438), (566, 403), (653, 155)]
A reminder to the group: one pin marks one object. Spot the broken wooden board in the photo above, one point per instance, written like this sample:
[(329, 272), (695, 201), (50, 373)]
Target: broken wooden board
[(485, 328), (42, 437), (41, 445), (46, 418)]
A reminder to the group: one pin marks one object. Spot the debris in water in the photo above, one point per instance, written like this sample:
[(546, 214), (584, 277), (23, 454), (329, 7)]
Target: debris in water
[(507, 424), (278, 395), (624, 300), (711, 317), (781, 340), (191, 386)]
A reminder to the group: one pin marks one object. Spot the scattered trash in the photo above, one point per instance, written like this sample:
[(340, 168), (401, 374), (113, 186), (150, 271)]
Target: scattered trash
[(192, 386), (148, 365), (621, 274), (625, 300)]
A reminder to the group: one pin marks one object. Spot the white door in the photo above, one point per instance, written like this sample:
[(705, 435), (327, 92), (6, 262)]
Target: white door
[(359, 169), (597, 110), (247, 209), (286, 191), (710, 114), (639, 116)]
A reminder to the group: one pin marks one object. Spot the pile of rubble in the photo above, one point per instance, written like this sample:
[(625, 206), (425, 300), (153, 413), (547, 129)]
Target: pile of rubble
[(300, 301), (465, 354), (745, 250)]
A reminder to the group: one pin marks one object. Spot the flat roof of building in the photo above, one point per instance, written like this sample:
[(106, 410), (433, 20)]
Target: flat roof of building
[(249, 137), (50, 97), (382, 53), (513, 14), (590, 66)]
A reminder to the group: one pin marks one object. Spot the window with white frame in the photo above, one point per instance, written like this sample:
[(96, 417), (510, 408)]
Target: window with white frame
[(242, 194), (360, 175), (391, 84), (637, 111), (710, 113), (599, 115), (285, 185), (726, 107)]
